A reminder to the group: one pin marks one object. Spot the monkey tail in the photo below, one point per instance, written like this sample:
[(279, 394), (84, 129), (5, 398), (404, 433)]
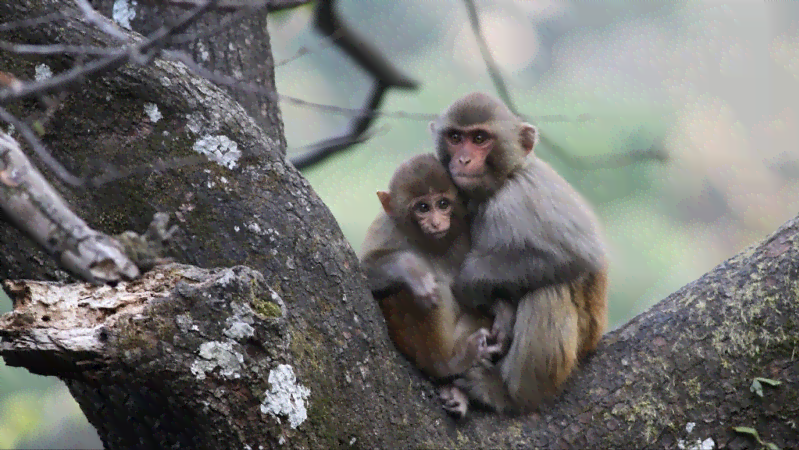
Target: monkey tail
[(544, 347)]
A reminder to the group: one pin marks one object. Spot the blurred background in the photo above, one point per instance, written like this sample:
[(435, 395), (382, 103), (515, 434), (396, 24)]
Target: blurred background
[(715, 85)]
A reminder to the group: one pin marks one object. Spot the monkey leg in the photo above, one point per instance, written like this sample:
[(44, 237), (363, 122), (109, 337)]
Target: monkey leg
[(544, 347), (590, 296)]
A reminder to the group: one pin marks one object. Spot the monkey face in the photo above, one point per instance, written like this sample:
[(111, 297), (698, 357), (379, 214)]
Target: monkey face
[(469, 148), (482, 143), (433, 213)]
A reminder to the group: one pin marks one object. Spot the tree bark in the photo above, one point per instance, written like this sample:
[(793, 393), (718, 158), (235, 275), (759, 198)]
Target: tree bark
[(240, 50), (210, 358), (231, 357)]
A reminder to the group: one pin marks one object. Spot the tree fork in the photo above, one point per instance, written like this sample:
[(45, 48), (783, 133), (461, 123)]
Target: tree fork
[(679, 373), (202, 358)]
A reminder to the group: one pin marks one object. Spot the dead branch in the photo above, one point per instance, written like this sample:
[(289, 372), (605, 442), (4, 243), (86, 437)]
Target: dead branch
[(38, 210), (141, 53)]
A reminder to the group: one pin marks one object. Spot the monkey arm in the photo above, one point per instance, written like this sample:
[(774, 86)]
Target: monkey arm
[(536, 231), (394, 270), (403, 269), (509, 273)]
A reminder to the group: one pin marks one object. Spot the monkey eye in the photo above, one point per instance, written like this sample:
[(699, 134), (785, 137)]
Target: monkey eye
[(422, 207), (455, 136), (444, 203), (480, 137)]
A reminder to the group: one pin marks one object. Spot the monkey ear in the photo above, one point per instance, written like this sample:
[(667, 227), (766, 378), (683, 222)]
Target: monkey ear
[(432, 127), (529, 137), (385, 200)]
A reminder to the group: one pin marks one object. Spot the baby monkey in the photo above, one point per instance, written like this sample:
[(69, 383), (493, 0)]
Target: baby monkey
[(411, 253)]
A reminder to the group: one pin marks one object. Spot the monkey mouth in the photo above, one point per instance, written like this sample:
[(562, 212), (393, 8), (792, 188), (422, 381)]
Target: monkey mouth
[(439, 234), (468, 176)]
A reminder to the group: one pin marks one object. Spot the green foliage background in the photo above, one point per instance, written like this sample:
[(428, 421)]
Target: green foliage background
[(714, 83)]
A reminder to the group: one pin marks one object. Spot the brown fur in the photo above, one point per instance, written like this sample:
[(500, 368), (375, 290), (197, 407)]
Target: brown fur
[(444, 340), (590, 295), (434, 340)]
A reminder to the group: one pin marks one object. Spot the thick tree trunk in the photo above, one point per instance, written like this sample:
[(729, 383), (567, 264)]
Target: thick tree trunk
[(290, 351)]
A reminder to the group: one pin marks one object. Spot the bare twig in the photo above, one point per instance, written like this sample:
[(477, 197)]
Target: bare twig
[(223, 24), (221, 5), (386, 76), (357, 133), (97, 19), (654, 153), (325, 43), (279, 5), (54, 49), (491, 64), (364, 112), (368, 111), (141, 52), (40, 150), (116, 58), (234, 5), (357, 47), (111, 174)]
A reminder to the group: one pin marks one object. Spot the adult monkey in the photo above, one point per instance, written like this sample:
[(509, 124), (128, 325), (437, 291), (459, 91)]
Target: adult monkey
[(534, 240)]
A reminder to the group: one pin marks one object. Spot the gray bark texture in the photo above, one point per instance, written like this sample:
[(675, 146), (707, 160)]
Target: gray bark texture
[(265, 336)]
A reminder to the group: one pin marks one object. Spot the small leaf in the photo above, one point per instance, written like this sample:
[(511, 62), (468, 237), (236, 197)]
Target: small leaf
[(768, 381), (746, 430), (38, 128), (757, 388), (772, 446)]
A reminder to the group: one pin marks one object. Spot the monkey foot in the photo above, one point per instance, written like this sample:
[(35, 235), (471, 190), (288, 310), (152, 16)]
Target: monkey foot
[(454, 401)]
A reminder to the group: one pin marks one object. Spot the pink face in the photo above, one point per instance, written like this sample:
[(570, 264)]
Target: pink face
[(433, 213), (468, 149)]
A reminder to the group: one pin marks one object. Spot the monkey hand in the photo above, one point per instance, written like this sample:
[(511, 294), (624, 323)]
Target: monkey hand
[(502, 328), (489, 352), (497, 344), (454, 401), (479, 349), (425, 291)]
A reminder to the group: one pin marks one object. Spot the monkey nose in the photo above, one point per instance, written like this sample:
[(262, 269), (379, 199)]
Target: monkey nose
[(465, 161)]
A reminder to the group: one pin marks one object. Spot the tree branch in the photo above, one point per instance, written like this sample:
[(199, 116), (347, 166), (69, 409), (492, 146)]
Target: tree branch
[(385, 75), (38, 210), (677, 374), (114, 60)]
